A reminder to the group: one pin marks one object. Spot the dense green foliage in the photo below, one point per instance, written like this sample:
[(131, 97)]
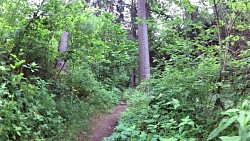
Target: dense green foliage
[(38, 102), (200, 60), (172, 121), (200, 86), (28, 110), (182, 106)]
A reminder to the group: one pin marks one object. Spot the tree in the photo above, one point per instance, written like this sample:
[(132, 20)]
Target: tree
[(133, 35), (144, 65), (61, 63)]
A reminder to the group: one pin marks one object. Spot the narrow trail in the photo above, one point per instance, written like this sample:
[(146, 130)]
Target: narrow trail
[(103, 126)]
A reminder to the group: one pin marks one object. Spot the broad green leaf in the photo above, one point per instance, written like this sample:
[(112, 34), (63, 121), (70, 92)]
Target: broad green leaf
[(123, 136), (244, 104), (222, 126), (181, 129), (242, 119), (191, 139), (176, 103), (125, 132), (12, 66), (168, 139), (149, 121), (233, 138), (18, 133), (2, 68), (229, 111)]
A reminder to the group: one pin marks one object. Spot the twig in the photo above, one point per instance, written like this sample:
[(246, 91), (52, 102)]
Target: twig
[(62, 67)]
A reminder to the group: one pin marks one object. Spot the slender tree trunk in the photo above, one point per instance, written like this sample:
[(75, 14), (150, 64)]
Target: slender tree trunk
[(61, 63), (144, 65), (120, 10), (133, 36), (218, 101), (133, 27), (184, 18), (132, 79)]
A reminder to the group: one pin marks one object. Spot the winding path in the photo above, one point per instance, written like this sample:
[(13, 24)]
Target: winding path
[(103, 126)]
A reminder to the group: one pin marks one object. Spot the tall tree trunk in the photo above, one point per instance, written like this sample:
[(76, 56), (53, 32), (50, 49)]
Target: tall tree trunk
[(133, 29), (120, 10), (132, 79), (61, 63), (144, 65), (218, 101)]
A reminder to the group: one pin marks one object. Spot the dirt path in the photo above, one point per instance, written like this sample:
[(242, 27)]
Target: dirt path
[(103, 126)]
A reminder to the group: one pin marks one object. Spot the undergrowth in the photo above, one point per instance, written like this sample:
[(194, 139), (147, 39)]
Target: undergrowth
[(27, 108), (78, 101), (180, 105), (34, 109)]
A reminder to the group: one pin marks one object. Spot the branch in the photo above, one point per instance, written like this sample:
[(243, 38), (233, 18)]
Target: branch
[(218, 23), (62, 67), (161, 13), (233, 22)]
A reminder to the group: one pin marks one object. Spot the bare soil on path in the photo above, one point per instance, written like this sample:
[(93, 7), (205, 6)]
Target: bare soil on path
[(102, 125)]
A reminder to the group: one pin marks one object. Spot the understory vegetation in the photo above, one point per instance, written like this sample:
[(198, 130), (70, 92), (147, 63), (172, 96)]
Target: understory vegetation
[(199, 89), (39, 102), (63, 61), (181, 105)]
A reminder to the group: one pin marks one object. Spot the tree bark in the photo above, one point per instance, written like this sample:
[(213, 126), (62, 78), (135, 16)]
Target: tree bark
[(133, 35), (144, 65), (133, 27), (61, 63), (218, 101), (132, 79)]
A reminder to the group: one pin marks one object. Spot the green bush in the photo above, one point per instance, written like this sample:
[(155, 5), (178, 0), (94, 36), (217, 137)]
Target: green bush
[(80, 95), (143, 121), (86, 87), (77, 112), (174, 106), (180, 104), (27, 109), (129, 124)]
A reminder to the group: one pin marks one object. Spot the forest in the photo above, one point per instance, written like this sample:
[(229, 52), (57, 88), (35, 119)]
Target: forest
[(182, 66)]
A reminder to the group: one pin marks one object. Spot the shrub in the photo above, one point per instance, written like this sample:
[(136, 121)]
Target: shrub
[(80, 95), (174, 106), (143, 121), (27, 109)]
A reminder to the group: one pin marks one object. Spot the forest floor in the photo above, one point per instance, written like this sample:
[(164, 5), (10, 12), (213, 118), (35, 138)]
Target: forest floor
[(102, 125)]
